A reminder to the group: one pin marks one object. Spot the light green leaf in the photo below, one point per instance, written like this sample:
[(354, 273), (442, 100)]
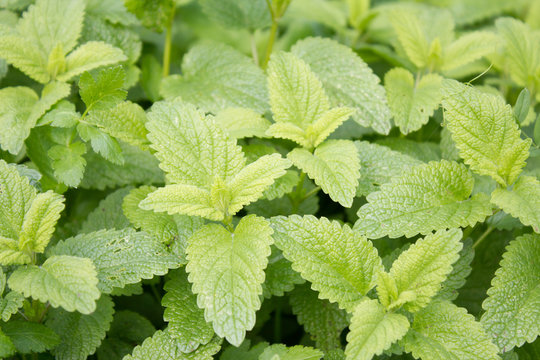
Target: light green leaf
[(379, 165), (102, 143), (357, 88), (241, 123), (434, 196), (468, 48), (412, 101), (512, 314), (153, 14), (113, 11), (25, 55), (66, 281), (421, 269), (50, 95), (10, 304), (29, 337), (283, 185), (373, 330), (6, 346), (298, 352), (485, 132), (121, 257), (62, 114), (163, 346), (411, 36), (210, 79), (522, 202), (16, 106), (335, 167), (125, 122), (186, 320), (443, 331), (341, 264), (324, 321), (89, 56), (105, 91), (226, 270), (250, 14), (68, 163), (80, 335)]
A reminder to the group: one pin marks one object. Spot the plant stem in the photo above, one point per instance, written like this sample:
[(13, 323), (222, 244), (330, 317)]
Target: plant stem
[(312, 192), (482, 237), (168, 44), (271, 40), (254, 52)]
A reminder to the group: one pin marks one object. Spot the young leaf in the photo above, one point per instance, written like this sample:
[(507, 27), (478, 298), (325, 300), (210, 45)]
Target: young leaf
[(322, 320), (443, 331), (210, 80), (226, 270), (412, 101), (522, 202), (485, 132), (422, 268), (335, 167), (29, 337), (66, 281), (186, 320), (512, 317), (80, 335), (105, 91), (356, 88), (428, 197), (373, 330), (120, 257), (341, 264), (68, 162)]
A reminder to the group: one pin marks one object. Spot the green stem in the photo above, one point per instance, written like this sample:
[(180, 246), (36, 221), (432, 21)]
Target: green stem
[(168, 44), (271, 40), (254, 51), (312, 192), (483, 236)]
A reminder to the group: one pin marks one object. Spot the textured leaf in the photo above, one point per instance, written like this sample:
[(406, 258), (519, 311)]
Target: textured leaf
[(6, 346), (17, 103), (130, 326), (279, 275), (10, 303), (428, 197), (357, 87), (241, 123), (108, 214), (373, 330), (512, 314), (468, 48), (379, 165), (29, 337), (25, 55), (215, 77), (411, 36), (153, 14), (80, 335), (121, 257), (105, 91), (250, 14), (443, 331), (485, 132), (226, 270), (244, 352), (423, 151), (163, 346), (341, 264), (423, 267), (102, 143), (412, 102), (298, 352), (335, 167), (322, 320), (89, 56), (68, 162), (522, 202), (186, 320), (460, 271), (66, 281)]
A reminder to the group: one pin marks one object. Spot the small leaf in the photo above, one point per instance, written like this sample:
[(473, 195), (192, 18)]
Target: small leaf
[(105, 91), (521, 107), (68, 162)]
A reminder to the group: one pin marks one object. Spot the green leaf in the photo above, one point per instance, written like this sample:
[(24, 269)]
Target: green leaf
[(411, 36), (412, 101), (357, 88), (25, 55), (522, 106), (186, 320), (443, 331), (62, 114), (485, 132), (298, 352), (66, 281), (10, 304), (522, 202), (512, 317), (241, 123), (461, 269), (468, 48), (89, 56), (322, 320), (130, 326), (423, 151), (379, 165), (121, 257), (428, 197), (421, 269), (153, 14), (30, 337), (279, 275), (226, 270), (335, 167), (105, 91), (373, 330), (6, 346), (68, 162), (17, 104), (210, 80), (341, 264), (108, 214), (80, 335), (163, 346), (244, 352), (250, 14)]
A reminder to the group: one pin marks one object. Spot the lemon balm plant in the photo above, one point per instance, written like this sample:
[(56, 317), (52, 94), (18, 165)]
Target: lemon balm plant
[(269, 179)]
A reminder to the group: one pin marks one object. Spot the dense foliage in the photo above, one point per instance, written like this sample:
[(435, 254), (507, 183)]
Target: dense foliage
[(269, 179)]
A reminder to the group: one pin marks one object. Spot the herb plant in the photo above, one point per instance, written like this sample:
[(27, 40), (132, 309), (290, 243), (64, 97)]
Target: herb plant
[(269, 179)]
